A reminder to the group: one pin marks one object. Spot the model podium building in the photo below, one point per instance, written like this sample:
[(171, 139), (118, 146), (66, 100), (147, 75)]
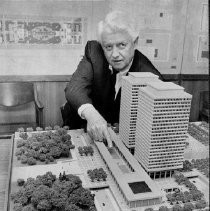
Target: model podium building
[(133, 183), (129, 104), (161, 128)]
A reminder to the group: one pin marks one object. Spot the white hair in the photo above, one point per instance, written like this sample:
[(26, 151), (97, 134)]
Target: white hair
[(117, 21)]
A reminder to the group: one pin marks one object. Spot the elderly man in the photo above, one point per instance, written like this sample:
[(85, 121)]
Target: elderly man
[(93, 93)]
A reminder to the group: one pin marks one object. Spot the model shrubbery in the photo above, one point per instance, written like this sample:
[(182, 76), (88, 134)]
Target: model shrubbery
[(187, 166), (200, 164), (192, 195), (97, 174), (23, 135), (44, 147), (29, 129), (20, 182), (86, 150), (46, 192), (48, 128)]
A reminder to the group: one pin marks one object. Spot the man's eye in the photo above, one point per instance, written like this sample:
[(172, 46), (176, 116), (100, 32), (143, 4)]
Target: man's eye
[(122, 45), (108, 47)]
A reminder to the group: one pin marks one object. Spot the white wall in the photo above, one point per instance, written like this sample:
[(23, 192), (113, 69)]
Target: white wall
[(169, 34), (42, 59)]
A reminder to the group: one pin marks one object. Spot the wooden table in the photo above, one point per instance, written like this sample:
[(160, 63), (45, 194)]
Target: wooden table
[(6, 147)]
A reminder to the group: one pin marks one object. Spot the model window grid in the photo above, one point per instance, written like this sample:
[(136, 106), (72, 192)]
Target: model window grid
[(169, 154), (128, 108)]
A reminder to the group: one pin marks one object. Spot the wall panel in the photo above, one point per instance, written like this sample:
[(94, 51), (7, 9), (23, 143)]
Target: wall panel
[(195, 88), (22, 47), (196, 44), (52, 96)]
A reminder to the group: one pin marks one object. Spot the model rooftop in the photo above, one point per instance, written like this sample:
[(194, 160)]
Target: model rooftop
[(140, 77), (160, 85), (160, 89)]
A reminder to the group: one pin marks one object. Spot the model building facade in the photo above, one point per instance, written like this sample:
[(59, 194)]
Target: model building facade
[(162, 123), (129, 104)]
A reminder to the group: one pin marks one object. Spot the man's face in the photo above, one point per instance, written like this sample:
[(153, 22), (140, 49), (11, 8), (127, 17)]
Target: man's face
[(118, 48)]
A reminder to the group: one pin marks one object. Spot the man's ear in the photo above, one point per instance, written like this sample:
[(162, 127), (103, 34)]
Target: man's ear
[(136, 42)]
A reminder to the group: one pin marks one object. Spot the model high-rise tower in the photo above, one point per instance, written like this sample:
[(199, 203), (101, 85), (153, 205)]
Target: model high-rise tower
[(129, 104), (161, 128)]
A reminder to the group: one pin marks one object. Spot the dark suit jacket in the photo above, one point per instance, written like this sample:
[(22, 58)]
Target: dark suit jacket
[(91, 83)]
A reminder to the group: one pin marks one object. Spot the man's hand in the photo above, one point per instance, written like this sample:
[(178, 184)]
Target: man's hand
[(96, 125)]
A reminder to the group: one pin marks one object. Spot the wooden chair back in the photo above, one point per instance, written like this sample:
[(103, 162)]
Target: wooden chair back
[(14, 94)]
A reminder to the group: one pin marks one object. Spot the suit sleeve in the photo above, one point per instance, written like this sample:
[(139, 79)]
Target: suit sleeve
[(78, 90)]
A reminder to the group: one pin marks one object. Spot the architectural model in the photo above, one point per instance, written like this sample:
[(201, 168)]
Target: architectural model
[(154, 118), (123, 185), (129, 104), (162, 123)]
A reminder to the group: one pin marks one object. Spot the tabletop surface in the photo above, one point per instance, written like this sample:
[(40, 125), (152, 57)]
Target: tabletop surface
[(5, 150)]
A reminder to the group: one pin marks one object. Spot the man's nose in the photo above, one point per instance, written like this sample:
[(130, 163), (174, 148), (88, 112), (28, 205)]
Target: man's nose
[(115, 52)]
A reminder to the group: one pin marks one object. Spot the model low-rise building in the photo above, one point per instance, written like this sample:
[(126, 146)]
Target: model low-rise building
[(133, 183)]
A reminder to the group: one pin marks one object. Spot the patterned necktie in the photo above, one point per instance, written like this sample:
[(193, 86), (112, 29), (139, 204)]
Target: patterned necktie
[(113, 77)]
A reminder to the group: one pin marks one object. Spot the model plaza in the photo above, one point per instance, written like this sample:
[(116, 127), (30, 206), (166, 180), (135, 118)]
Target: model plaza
[(135, 185)]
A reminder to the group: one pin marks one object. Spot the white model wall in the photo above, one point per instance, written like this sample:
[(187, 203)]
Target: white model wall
[(129, 104)]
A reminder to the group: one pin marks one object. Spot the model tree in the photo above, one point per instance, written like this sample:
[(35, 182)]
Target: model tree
[(44, 147), (187, 196), (90, 150), (177, 207), (31, 161), (39, 129), (86, 150), (29, 129), (20, 182), (23, 135), (48, 128), (97, 174), (200, 204), (149, 209), (163, 208), (187, 166), (20, 130), (80, 150), (71, 207), (56, 127), (188, 206), (46, 192)]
